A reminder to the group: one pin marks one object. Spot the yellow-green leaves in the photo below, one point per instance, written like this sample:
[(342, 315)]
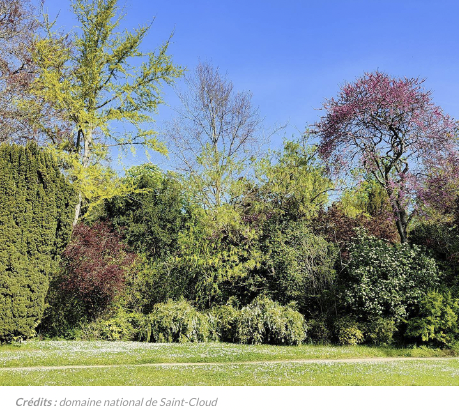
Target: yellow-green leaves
[(100, 81)]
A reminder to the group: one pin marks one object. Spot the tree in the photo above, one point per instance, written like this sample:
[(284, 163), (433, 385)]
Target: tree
[(97, 87), (292, 182), (35, 218), (151, 218), (214, 135), (391, 129), (95, 264)]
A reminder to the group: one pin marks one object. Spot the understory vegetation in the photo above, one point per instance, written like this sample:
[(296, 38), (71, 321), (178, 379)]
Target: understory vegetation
[(348, 234)]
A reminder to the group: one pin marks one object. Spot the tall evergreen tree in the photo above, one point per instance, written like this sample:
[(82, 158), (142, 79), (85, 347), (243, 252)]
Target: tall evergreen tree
[(35, 224)]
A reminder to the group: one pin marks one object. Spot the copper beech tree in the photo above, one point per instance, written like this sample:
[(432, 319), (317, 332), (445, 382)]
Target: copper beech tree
[(390, 128)]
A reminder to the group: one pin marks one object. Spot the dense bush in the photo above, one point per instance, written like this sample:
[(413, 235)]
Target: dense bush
[(224, 321), (266, 321), (319, 331), (348, 331), (95, 264), (436, 321), (178, 321), (123, 326), (298, 265), (385, 280), (380, 331), (36, 208)]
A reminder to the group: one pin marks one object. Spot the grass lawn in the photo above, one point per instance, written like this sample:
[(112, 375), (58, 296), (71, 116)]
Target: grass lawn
[(222, 364)]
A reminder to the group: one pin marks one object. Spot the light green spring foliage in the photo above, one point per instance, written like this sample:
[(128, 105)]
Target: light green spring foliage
[(368, 198), (217, 249), (99, 80), (215, 183), (348, 331), (437, 322), (178, 322), (35, 225), (293, 180), (266, 321)]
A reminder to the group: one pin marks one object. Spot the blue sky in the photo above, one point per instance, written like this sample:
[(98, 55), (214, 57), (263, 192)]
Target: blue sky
[(292, 55)]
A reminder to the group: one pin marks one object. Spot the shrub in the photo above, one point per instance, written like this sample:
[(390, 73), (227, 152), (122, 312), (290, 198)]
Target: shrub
[(385, 280), (348, 331), (380, 331), (318, 331), (123, 326), (436, 321), (178, 321), (95, 264), (266, 321), (298, 265), (223, 322), (36, 208)]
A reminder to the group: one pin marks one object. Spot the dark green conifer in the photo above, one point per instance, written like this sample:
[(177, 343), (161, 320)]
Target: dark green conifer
[(36, 207)]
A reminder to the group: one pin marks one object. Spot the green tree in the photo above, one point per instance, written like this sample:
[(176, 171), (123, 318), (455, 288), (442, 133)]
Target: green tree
[(95, 83), (152, 216), (292, 181), (35, 218)]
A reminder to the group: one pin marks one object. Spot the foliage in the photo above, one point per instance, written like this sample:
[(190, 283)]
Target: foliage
[(266, 321), (319, 330), (18, 28), (151, 217), (348, 331), (340, 229), (298, 265), (391, 129), (215, 251), (380, 331), (224, 320), (95, 264), (35, 221), (437, 319), (95, 84), (385, 280), (292, 182), (178, 322), (442, 240), (123, 326)]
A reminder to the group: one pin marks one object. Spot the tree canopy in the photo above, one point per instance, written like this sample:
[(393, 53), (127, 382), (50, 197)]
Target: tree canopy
[(391, 128), (100, 80)]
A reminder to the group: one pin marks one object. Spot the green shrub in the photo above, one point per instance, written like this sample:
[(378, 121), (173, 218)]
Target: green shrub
[(436, 321), (318, 331), (380, 331), (385, 280), (348, 331), (223, 323), (36, 208), (178, 321), (266, 321), (123, 326)]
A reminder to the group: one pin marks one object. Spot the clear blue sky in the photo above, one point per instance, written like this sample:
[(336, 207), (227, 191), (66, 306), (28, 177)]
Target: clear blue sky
[(294, 54)]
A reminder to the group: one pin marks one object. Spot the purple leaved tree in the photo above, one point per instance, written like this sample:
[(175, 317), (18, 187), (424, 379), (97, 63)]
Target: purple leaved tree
[(391, 129)]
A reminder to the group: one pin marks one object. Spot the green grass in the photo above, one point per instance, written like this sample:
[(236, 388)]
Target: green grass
[(223, 371)]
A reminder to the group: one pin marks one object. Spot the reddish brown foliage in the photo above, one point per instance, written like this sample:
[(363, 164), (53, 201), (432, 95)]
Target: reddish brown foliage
[(338, 228), (96, 263)]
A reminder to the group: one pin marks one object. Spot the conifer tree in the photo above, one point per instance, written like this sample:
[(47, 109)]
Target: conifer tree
[(36, 210)]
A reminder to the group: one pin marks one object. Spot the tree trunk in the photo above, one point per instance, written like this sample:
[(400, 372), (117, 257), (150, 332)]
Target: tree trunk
[(87, 137)]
